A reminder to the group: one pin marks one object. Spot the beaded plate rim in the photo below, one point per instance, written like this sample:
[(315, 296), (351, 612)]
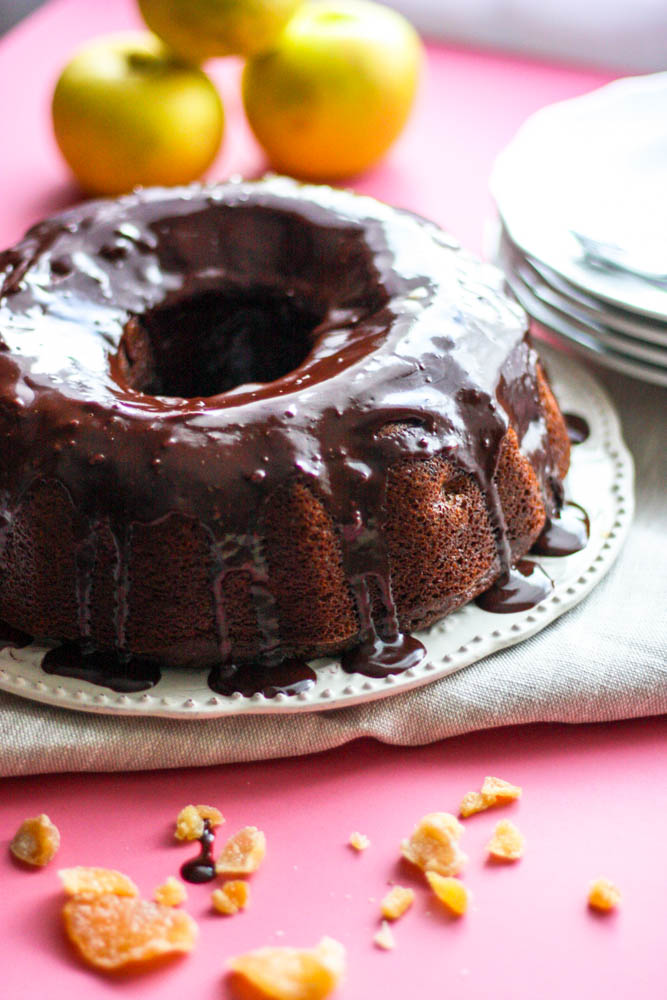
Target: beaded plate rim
[(601, 479)]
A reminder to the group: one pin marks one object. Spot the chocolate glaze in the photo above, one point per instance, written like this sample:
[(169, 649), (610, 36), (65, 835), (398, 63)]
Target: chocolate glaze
[(13, 638), (105, 667), (564, 533), (289, 677), (578, 430), (524, 586), (397, 325), (201, 868)]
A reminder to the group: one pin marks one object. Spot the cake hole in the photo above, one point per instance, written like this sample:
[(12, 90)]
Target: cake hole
[(214, 342)]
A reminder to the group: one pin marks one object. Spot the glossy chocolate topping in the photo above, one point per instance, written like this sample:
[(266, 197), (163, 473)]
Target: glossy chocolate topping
[(192, 350)]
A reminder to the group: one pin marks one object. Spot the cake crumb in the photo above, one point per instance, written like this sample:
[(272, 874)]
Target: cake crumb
[(36, 842), (359, 841), (280, 973), (494, 792), (243, 853), (433, 845), (385, 937), (190, 821), (603, 895), (231, 897), (451, 893), (172, 892), (507, 843), (396, 902)]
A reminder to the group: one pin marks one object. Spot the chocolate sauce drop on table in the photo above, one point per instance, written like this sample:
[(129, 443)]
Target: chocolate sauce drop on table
[(577, 428), (289, 677), (565, 533), (201, 868), (521, 589), (104, 668)]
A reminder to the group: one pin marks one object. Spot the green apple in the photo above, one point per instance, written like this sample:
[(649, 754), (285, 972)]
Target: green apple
[(202, 29), (127, 112), (336, 90)]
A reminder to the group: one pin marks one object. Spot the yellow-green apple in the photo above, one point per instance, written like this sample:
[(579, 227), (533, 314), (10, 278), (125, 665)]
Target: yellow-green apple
[(127, 112), (202, 29), (334, 93)]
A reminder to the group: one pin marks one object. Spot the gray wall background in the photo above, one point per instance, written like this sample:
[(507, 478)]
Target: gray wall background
[(11, 12)]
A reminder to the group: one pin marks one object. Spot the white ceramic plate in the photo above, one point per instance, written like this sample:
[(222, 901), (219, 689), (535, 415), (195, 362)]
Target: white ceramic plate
[(600, 479), (587, 341), (644, 335), (595, 165)]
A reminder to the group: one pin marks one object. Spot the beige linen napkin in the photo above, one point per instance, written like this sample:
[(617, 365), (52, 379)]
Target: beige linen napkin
[(605, 659)]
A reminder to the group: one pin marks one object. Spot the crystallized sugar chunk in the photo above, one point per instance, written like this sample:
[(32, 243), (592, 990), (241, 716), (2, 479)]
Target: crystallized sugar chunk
[(603, 894), (243, 853), (385, 937), (495, 792), (111, 932), (507, 843), (452, 893), (433, 845), (36, 841), (396, 902), (231, 897), (190, 821), (171, 892), (293, 973)]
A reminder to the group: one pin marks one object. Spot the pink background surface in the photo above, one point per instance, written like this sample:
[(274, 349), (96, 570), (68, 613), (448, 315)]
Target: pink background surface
[(595, 799)]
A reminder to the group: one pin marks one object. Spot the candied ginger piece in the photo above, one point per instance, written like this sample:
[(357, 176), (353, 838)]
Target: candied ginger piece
[(231, 897), (500, 791), (190, 821), (172, 892), (396, 902), (433, 845), (507, 843), (36, 841), (96, 882), (243, 853), (111, 932), (495, 792), (385, 937), (603, 895), (472, 802), (293, 973), (452, 893), (359, 841)]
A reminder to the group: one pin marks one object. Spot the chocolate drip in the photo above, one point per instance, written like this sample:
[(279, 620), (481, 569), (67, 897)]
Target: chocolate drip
[(521, 589), (201, 868), (290, 677), (565, 533), (85, 562), (399, 320), (124, 674), (577, 428), (376, 657)]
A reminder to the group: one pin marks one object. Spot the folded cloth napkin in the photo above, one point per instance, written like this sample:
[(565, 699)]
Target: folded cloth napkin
[(605, 659)]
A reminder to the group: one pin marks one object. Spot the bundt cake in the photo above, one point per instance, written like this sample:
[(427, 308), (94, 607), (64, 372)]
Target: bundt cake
[(260, 420)]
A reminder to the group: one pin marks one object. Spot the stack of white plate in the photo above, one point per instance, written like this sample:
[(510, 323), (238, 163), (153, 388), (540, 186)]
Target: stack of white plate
[(582, 199)]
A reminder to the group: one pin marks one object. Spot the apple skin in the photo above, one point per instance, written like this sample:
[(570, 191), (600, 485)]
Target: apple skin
[(126, 112), (336, 90), (204, 29)]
